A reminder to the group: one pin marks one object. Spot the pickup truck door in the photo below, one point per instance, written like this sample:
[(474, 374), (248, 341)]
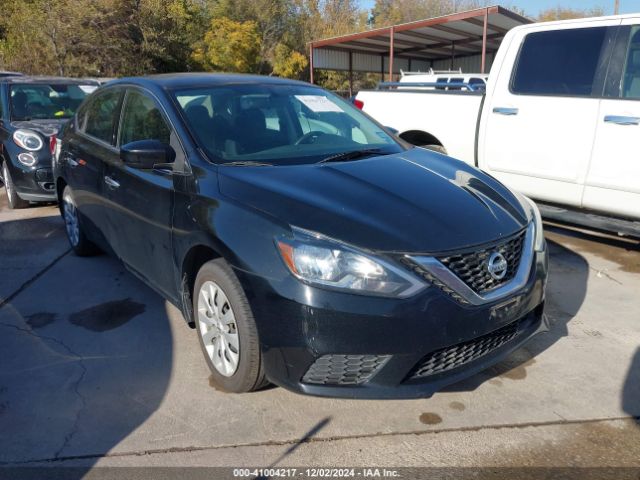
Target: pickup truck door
[(541, 116), (613, 180), (140, 202)]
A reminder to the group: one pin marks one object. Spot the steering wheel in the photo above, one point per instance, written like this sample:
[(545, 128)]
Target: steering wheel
[(309, 137)]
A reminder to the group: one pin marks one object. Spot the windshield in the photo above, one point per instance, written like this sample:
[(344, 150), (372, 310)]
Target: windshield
[(47, 101), (278, 124)]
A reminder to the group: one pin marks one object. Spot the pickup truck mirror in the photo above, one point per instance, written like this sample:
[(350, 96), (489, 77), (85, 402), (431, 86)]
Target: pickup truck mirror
[(146, 154)]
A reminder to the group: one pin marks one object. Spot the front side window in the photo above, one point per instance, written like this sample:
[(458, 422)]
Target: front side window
[(559, 62), (32, 101), (142, 120), (99, 116), (631, 75), (277, 124)]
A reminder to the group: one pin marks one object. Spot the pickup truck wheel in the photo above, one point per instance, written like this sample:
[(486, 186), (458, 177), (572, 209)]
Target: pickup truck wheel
[(13, 199), (435, 148), (80, 244), (226, 329)]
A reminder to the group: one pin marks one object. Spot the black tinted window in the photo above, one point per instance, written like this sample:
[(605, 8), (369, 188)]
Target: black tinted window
[(561, 62), (142, 120), (98, 117)]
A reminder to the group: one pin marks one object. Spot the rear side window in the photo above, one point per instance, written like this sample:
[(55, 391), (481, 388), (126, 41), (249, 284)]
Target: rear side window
[(631, 74), (142, 120), (98, 118), (560, 62)]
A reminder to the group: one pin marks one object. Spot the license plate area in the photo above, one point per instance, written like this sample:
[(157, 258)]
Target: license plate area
[(507, 310)]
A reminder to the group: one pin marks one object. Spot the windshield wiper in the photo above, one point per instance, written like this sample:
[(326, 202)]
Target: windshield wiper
[(248, 163), (351, 155)]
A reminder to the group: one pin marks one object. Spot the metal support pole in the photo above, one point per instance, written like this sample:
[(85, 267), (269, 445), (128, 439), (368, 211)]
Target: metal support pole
[(391, 54), (484, 41), (350, 74), (616, 8), (311, 63), (453, 53)]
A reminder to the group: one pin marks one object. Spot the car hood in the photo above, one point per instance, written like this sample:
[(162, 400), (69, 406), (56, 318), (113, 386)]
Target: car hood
[(414, 201), (46, 127)]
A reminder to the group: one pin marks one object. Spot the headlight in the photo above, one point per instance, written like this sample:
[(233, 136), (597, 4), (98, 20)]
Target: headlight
[(28, 140), (318, 260), (539, 243), (29, 159)]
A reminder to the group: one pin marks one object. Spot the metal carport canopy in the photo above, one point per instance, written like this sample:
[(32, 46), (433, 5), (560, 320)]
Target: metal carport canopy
[(419, 44)]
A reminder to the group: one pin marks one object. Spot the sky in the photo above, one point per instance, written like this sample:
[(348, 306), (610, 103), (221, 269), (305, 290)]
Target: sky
[(533, 7)]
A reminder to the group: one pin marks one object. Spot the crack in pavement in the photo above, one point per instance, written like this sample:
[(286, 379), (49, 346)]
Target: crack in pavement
[(76, 385), (272, 443), (26, 284)]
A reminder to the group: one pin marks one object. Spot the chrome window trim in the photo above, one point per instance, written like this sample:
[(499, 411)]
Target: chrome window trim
[(438, 270)]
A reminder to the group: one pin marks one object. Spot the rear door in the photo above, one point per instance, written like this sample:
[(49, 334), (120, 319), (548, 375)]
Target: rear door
[(613, 180), (541, 119), (90, 144), (141, 201)]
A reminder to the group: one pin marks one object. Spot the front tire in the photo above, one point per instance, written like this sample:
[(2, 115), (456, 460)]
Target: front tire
[(78, 240), (13, 199), (226, 329)]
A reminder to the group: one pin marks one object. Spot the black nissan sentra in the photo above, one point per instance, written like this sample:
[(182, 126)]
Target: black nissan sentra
[(32, 110), (308, 246)]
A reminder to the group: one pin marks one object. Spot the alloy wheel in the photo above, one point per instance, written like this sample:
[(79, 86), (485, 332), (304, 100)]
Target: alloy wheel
[(217, 327), (70, 214)]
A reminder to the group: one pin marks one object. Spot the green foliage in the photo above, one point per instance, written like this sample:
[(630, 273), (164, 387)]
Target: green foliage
[(287, 62), (230, 46), (134, 37)]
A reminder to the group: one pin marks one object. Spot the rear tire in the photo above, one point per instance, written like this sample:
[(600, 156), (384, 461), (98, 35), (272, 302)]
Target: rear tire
[(78, 240), (226, 329), (14, 200)]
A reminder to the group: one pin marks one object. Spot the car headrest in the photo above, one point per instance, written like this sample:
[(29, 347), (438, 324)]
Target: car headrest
[(197, 115)]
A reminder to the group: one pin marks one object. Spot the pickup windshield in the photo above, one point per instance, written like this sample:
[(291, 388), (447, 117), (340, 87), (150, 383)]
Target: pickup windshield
[(32, 101), (277, 124)]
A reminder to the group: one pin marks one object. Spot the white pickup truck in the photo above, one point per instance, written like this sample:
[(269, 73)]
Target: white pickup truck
[(559, 121)]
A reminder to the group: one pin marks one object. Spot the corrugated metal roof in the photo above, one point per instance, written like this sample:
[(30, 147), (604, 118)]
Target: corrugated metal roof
[(417, 45)]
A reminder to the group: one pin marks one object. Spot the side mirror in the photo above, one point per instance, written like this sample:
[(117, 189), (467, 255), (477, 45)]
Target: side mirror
[(146, 154)]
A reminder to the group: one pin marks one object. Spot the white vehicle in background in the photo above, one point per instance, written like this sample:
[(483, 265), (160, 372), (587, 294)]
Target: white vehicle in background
[(444, 79), (559, 121)]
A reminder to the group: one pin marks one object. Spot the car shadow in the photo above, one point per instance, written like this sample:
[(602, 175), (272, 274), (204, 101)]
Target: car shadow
[(631, 389), (87, 353), (565, 294)]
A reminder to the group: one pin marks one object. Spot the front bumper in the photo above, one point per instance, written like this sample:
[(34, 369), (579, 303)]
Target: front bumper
[(34, 184), (329, 343)]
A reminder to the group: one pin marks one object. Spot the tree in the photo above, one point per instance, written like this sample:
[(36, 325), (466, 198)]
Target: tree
[(561, 13), (230, 46), (288, 63)]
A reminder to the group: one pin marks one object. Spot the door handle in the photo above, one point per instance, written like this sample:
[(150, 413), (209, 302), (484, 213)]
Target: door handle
[(111, 183), (505, 111), (621, 120)]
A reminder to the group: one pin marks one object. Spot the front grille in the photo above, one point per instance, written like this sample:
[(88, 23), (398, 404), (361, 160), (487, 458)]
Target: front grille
[(344, 369), (452, 357), (471, 267)]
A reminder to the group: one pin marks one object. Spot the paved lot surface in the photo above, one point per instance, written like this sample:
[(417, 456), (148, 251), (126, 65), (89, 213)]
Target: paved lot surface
[(97, 369)]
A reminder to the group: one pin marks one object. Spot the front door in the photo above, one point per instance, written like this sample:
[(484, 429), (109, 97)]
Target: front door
[(84, 153), (613, 181), (541, 119), (141, 201)]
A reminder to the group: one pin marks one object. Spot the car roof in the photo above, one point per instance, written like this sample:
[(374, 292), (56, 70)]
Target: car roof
[(49, 80), (171, 81)]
